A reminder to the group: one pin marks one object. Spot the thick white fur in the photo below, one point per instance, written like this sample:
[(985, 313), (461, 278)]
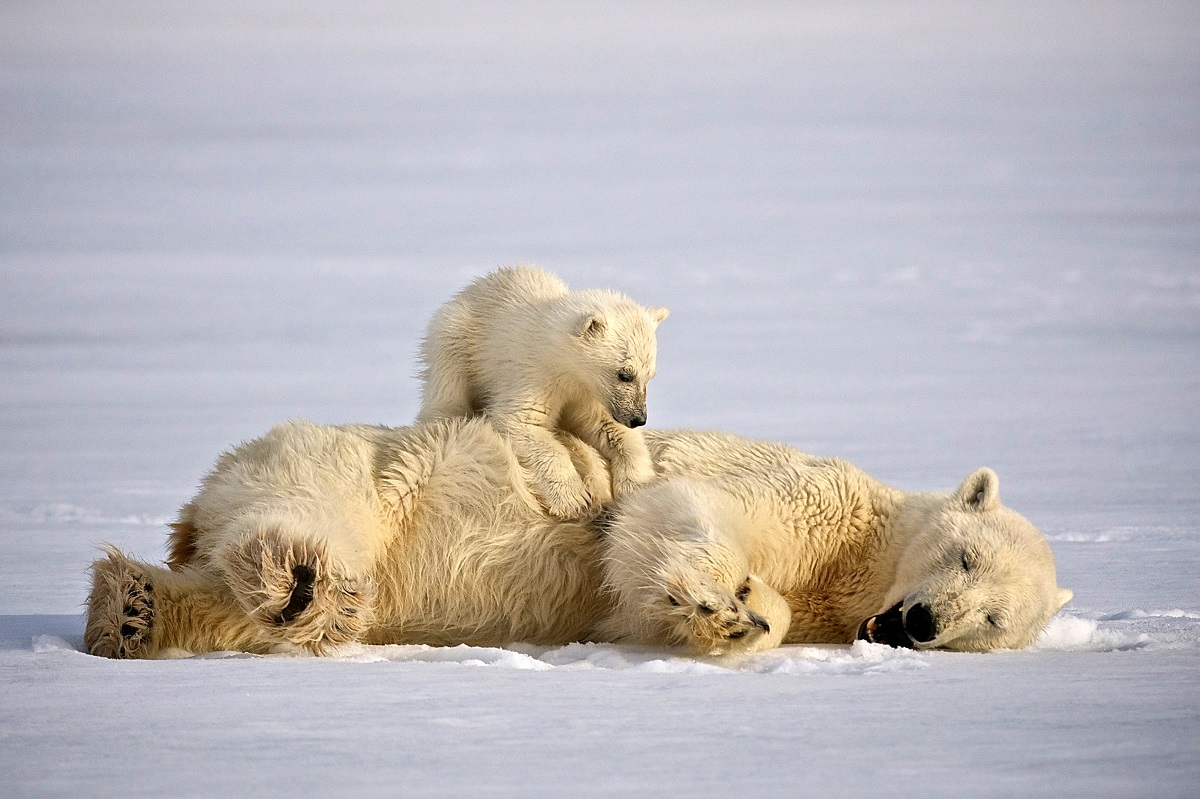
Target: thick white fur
[(836, 544), (428, 534), (538, 359), (677, 570)]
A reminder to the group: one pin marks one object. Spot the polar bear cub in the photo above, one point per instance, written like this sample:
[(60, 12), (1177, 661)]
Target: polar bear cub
[(538, 359)]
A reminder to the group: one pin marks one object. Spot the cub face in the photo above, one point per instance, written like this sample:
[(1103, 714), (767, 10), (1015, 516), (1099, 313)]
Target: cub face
[(617, 352), (975, 576)]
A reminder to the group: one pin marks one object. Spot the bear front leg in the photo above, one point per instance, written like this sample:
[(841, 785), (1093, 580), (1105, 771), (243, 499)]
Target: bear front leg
[(712, 620)]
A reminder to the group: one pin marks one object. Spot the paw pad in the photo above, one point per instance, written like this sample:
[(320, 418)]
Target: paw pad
[(301, 596)]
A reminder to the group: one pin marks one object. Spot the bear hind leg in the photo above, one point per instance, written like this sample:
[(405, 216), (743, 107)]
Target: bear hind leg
[(120, 620), (296, 591)]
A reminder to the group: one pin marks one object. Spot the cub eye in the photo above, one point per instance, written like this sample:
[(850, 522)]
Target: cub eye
[(625, 376), (743, 592), (966, 563), (992, 621)]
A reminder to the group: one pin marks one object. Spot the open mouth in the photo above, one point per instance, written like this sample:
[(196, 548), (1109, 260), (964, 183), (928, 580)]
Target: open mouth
[(886, 628)]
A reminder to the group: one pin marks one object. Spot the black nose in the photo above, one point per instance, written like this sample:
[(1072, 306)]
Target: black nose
[(637, 421), (918, 623)]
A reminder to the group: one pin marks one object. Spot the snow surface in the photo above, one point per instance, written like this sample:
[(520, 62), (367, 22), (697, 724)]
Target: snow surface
[(922, 236)]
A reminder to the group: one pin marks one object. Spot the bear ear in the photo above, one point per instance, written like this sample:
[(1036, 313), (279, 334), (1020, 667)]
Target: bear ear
[(1061, 599), (980, 491), (658, 315), (591, 326)]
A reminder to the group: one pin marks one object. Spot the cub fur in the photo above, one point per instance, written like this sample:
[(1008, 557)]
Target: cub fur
[(536, 358)]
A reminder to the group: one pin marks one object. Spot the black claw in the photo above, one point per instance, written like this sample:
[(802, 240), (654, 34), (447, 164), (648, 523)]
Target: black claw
[(128, 630), (706, 609), (129, 611), (738, 634)]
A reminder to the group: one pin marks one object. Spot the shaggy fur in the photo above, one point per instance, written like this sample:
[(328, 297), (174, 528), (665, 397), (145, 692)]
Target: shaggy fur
[(313, 535), (841, 548), (539, 359), (677, 569)]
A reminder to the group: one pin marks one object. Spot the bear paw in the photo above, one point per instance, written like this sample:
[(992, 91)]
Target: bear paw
[(120, 620), (714, 620), (295, 591)]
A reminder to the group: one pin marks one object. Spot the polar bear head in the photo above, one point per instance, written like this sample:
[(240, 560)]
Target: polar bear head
[(972, 574), (616, 353)]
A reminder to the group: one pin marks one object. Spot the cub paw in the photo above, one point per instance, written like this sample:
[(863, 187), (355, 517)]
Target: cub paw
[(568, 500), (296, 593), (713, 620), (120, 619), (630, 478)]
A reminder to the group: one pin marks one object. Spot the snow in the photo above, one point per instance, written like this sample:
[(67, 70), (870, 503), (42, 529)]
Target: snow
[(922, 236)]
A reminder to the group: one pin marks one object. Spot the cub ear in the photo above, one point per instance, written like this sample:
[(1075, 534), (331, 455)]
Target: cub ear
[(980, 491), (591, 326), (1061, 599), (658, 315)]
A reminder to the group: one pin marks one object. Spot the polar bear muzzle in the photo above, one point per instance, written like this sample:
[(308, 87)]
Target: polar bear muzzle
[(898, 627)]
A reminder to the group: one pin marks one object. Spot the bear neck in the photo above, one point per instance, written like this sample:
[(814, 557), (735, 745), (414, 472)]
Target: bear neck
[(841, 563), (908, 515)]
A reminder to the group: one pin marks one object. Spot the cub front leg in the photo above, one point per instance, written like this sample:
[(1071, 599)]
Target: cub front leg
[(625, 449), (591, 467), (552, 473)]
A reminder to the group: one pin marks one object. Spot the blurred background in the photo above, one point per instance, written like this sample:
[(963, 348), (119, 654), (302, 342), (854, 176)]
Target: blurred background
[(923, 236)]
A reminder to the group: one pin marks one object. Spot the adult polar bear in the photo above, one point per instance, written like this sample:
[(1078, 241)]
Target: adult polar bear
[(313, 536)]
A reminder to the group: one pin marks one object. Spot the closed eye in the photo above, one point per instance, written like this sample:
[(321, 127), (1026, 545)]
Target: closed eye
[(966, 563), (625, 376), (993, 621)]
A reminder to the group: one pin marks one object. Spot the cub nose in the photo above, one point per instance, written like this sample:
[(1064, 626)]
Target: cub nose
[(919, 624), (637, 420)]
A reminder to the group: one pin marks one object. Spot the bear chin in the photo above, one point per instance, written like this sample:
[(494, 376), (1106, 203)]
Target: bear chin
[(886, 628)]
